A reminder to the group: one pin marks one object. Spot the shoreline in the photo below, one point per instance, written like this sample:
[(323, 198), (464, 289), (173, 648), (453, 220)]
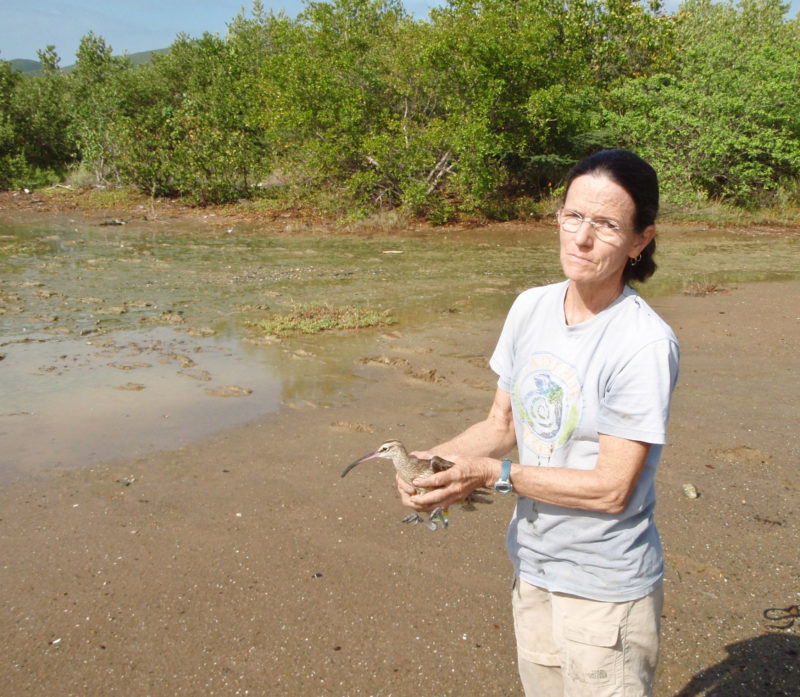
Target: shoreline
[(118, 206)]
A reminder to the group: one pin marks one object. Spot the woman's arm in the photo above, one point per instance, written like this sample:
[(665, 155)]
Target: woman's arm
[(606, 488)]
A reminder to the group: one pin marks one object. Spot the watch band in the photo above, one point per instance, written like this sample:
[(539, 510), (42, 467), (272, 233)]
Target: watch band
[(503, 484)]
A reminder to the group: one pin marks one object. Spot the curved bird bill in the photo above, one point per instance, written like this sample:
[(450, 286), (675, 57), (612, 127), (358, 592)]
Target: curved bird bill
[(371, 456)]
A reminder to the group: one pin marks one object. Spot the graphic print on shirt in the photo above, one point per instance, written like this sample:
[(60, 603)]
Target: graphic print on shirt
[(547, 394)]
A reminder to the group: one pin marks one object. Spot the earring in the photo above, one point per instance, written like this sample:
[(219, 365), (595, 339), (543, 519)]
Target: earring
[(636, 260)]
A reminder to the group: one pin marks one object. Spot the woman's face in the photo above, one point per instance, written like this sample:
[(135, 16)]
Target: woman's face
[(586, 258)]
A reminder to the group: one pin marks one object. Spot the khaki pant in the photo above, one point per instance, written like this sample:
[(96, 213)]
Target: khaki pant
[(573, 647)]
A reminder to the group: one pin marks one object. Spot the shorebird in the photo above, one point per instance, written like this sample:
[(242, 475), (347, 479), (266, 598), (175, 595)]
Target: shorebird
[(409, 468)]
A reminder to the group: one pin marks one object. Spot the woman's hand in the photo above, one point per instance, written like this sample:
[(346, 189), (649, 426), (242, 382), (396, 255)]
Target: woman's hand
[(406, 491), (494, 436), (452, 485)]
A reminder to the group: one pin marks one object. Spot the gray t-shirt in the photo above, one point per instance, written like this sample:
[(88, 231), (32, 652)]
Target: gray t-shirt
[(612, 374)]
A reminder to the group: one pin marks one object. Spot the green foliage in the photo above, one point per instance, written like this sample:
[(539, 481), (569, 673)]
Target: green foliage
[(189, 132), (323, 95), (721, 124), (97, 103), (10, 158), (354, 106), (35, 143)]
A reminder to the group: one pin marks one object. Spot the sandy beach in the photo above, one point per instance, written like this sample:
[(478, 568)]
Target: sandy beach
[(244, 564)]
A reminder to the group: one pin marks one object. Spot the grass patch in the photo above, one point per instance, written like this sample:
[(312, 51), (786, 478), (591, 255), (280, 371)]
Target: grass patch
[(721, 215), (92, 198), (10, 246), (384, 222), (313, 319)]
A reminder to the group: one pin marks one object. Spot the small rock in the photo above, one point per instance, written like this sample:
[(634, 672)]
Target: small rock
[(690, 491)]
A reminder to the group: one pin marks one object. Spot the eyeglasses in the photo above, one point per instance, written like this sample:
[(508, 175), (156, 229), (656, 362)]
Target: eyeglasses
[(605, 230)]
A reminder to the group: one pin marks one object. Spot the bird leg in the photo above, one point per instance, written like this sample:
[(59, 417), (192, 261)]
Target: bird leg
[(415, 518), (438, 515)]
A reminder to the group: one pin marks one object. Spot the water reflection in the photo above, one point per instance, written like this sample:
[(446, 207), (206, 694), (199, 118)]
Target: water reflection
[(62, 279), (71, 403)]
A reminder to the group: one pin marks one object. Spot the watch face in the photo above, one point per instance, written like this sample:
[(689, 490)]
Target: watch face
[(503, 487)]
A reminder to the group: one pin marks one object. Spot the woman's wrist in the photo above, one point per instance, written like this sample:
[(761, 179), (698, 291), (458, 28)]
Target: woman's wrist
[(493, 468)]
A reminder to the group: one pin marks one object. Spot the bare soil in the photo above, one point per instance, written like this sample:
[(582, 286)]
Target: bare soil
[(244, 564)]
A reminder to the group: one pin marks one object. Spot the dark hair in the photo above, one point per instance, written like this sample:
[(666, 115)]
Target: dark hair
[(640, 181)]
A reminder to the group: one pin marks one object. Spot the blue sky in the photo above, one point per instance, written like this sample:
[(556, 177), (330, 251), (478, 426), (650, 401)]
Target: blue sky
[(137, 25)]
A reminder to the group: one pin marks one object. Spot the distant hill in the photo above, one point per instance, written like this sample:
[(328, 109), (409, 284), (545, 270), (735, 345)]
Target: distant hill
[(29, 67), (26, 67), (146, 56)]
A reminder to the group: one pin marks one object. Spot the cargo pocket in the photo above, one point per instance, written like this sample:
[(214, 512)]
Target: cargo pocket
[(533, 625), (591, 659)]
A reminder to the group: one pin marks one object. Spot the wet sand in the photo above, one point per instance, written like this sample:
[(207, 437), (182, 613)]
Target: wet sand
[(244, 564)]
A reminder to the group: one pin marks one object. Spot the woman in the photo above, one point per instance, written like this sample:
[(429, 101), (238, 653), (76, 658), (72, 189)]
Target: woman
[(586, 372)]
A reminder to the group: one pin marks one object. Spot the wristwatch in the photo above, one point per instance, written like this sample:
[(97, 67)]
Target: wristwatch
[(503, 485)]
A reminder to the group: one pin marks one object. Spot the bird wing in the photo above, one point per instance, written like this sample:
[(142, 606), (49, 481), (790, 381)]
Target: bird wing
[(439, 464)]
